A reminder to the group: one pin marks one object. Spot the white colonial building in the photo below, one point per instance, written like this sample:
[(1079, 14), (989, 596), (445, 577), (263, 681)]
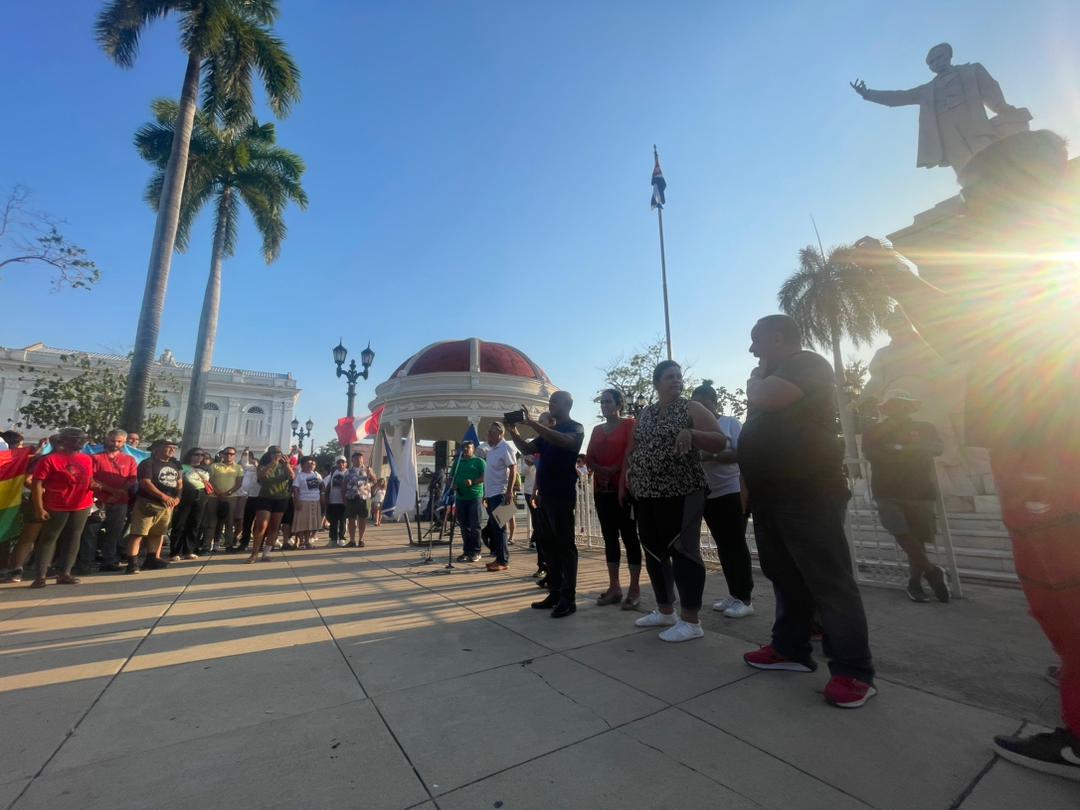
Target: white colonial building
[(242, 408)]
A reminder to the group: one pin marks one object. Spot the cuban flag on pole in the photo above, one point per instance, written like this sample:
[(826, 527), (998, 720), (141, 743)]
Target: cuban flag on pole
[(658, 182)]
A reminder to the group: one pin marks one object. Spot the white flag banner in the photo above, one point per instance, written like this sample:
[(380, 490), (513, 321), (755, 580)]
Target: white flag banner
[(406, 499)]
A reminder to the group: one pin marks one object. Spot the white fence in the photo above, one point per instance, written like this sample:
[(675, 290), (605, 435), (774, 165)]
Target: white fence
[(876, 557)]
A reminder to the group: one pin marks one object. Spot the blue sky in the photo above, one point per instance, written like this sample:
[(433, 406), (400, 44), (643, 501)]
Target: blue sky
[(482, 169)]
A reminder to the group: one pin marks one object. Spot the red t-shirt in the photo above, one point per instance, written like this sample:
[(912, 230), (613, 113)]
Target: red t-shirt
[(608, 450), (116, 471), (67, 481)]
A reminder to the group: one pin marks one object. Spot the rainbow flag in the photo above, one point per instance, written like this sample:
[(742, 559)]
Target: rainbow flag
[(13, 464)]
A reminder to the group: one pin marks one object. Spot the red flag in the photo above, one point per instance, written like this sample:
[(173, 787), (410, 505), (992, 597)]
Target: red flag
[(346, 431), (351, 429)]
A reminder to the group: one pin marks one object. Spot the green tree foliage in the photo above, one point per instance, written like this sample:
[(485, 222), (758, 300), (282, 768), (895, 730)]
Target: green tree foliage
[(633, 377), (325, 455), (92, 400), (31, 237)]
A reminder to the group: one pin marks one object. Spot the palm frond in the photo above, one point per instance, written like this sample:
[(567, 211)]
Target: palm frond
[(830, 298), (120, 24), (227, 220)]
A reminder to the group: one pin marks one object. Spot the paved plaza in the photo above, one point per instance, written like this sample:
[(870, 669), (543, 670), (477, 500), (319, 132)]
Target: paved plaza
[(336, 678)]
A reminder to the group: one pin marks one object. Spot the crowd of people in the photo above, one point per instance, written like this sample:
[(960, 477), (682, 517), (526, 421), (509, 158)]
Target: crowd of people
[(658, 476), (101, 512)]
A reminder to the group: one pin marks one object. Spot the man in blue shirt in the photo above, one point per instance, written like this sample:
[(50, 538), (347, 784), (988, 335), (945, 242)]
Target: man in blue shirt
[(556, 480)]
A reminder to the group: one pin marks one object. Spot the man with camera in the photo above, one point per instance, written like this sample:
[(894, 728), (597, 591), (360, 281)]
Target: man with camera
[(556, 480)]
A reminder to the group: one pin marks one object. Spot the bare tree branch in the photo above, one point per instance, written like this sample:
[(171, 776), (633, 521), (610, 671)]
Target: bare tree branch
[(28, 236)]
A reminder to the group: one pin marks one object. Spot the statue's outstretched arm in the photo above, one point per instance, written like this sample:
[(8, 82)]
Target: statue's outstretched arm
[(892, 98)]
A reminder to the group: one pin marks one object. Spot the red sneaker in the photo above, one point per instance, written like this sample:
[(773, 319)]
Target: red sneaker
[(494, 566), (848, 693), (769, 658)]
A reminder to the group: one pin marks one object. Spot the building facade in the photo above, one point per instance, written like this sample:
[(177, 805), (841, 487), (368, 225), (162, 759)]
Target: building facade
[(242, 408)]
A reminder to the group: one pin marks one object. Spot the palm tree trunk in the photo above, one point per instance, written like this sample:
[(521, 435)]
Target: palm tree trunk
[(161, 251), (208, 320), (847, 422)]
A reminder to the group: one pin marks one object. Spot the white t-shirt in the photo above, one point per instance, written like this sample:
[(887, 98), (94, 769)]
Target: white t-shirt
[(500, 458), (723, 479), (530, 478), (249, 485), (335, 486), (308, 486)]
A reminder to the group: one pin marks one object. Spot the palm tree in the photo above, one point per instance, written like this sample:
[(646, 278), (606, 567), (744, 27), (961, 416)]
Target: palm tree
[(227, 167), (830, 298), (226, 42)]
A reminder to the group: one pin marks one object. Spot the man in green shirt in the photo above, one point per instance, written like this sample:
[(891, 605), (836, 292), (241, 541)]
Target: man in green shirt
[(469, 491), (225, 478)]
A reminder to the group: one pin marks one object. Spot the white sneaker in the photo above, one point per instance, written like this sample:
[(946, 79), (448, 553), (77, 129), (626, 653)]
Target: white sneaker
[(656, 619), (724, 603), (683, 631), (739, 609)]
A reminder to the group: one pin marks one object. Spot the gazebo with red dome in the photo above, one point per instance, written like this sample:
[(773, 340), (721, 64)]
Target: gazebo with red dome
[(448, 385)]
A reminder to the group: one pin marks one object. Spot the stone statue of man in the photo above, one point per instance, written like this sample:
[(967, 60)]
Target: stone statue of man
[(953, 124)]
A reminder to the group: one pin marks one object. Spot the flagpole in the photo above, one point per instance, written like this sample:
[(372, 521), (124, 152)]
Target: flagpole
[(659, 184), (663, 278)]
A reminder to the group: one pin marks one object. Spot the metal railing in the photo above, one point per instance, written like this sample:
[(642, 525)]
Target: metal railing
[(877, 559)]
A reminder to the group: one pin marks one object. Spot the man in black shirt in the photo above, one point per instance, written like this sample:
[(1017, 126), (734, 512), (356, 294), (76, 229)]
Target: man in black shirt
[(556, 481), (791, 460), (901, 454), (160, 482)]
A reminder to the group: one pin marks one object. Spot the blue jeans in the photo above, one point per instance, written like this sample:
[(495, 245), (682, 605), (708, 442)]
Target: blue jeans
[(497, 534), (468, 517)]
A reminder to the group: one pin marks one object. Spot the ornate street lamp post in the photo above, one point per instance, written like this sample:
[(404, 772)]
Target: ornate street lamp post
[(637, 405), (367, 357), (300, 433)]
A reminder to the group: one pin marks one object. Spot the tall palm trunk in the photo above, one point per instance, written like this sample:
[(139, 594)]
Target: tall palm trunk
[(208, 321), (847, 422), (157, 275)]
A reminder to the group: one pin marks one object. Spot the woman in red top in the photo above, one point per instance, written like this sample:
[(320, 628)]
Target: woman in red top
[(62, 497), (607, 448)]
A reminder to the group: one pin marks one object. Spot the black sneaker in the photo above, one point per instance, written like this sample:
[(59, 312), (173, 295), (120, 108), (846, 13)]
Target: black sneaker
[(132, 566), (14, 575), (563, 609), (541, 583), (915, 591), (1056, 752), (155, 563), (939, 584), (464, 558), (546, 604)]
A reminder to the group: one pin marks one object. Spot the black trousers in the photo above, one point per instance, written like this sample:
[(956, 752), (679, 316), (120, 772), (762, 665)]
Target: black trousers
[(727, 524), (250, 508), (535, 538), (556, 518), (670, 532), (335, 513), (186, 522), (616, 519), (804, 553)]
